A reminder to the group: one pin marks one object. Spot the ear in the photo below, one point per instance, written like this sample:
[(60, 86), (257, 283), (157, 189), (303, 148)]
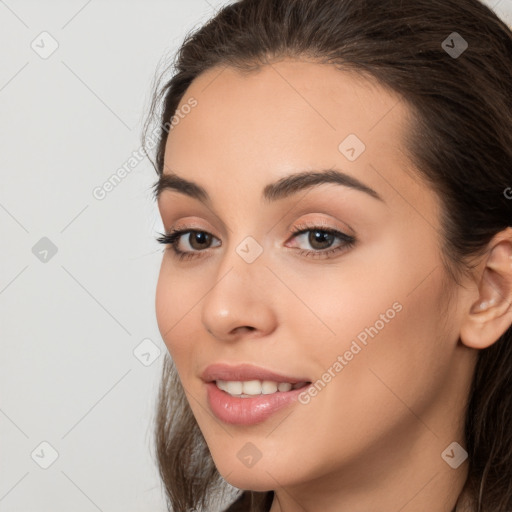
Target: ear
[(490, 315)]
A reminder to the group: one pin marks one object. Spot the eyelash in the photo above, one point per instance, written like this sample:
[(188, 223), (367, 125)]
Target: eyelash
[(173, 237)]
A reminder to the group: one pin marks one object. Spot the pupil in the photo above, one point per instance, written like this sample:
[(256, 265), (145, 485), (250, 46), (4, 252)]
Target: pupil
[(320, 237), (199, 238)]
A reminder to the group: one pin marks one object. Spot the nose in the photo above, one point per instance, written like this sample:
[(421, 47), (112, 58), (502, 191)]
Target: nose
[(240, 302)]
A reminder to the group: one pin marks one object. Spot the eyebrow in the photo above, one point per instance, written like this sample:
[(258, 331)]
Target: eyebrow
[(282, 188)]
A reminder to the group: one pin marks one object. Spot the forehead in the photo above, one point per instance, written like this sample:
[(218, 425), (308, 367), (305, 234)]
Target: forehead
[(251, 128), (327, 100)]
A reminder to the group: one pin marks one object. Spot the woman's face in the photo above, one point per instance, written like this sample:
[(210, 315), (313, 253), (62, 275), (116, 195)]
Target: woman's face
[(361, 315)]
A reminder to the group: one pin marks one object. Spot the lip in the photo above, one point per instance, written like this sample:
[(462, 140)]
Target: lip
[(247, 411), (242, 372)]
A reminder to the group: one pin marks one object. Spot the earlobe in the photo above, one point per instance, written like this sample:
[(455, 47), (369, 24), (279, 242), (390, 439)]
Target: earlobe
[(490, 315)]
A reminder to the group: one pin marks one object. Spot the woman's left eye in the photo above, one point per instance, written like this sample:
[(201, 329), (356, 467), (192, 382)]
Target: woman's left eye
[(320, 238)]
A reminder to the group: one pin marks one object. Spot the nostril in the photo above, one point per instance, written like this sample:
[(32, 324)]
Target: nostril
[(244, 327)]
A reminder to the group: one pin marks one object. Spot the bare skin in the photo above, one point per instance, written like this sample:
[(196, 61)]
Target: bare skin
[(373, 437)]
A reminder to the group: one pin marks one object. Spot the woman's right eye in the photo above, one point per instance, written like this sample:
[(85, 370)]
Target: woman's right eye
[(194, 237)]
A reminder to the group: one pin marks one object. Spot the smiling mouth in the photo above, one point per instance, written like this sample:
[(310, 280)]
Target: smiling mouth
[(246, 394), (255, 388)]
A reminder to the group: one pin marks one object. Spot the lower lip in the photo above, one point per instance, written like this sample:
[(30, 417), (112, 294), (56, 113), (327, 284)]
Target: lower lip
[(248, 411)]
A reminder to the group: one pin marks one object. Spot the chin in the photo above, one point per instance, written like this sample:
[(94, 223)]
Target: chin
[(265, 475), (250, 480)]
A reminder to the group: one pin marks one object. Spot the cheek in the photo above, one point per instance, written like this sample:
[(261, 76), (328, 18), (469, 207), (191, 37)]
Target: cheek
[(175, 302), (390, 335), (381, 312)]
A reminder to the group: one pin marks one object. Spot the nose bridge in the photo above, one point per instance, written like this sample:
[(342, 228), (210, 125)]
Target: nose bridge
[(244, 252), (239, 298)]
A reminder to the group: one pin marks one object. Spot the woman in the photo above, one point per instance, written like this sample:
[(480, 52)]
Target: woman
[(335, 185)]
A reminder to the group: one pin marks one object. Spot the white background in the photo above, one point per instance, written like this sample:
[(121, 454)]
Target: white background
[(69, 326)]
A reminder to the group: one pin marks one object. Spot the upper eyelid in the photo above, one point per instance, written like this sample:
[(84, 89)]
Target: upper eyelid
[(301, 228), (295, 212), (312, 224)]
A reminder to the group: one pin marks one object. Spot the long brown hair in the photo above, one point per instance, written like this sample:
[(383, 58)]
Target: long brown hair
[(460, 140)]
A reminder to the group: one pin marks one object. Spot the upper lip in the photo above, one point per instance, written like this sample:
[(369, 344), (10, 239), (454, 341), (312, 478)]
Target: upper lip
[(244, 372)]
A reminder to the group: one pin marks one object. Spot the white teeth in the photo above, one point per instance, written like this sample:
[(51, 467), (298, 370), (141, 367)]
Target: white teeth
[(255, 387), (234, 387), (251, 387), (268, 387), (221, 384)]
